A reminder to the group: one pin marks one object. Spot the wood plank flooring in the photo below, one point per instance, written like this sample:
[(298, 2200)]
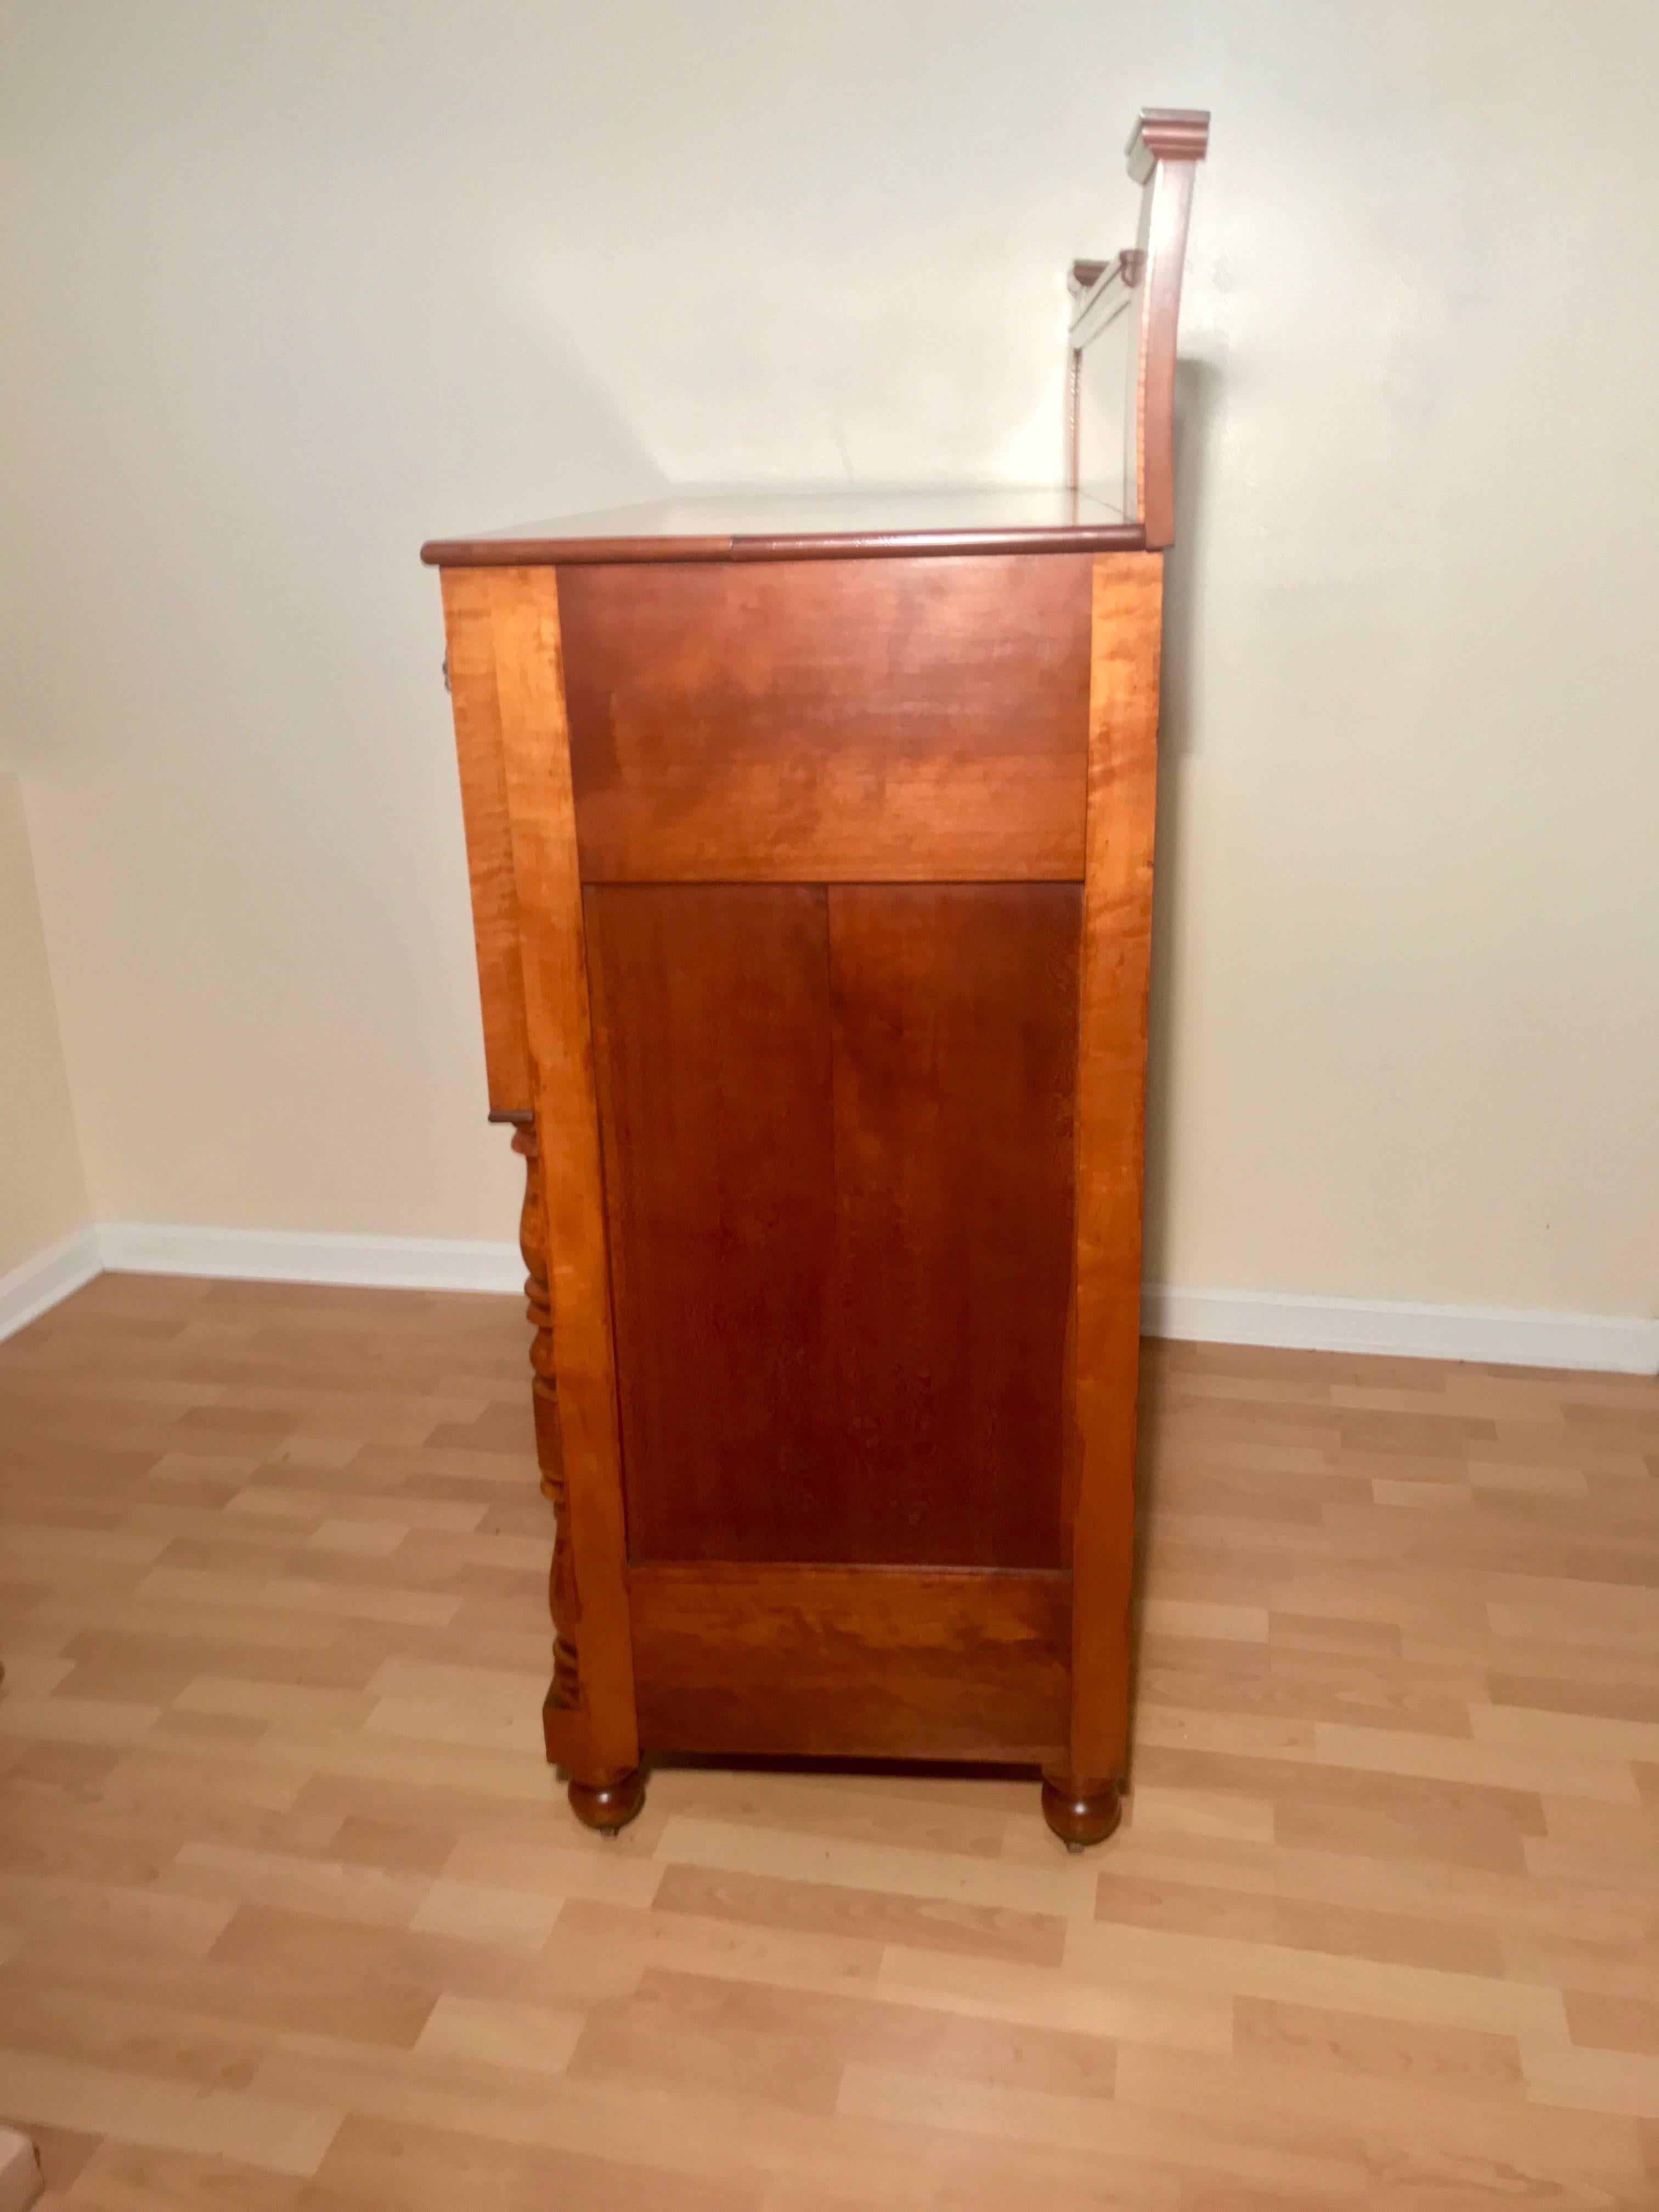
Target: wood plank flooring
[(293, 1918)]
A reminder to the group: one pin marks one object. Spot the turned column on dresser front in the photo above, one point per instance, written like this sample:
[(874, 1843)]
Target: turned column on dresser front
[(601, 1799)]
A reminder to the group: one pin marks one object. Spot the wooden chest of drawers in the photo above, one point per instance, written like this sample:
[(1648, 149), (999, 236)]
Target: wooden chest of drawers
[(811, 872)]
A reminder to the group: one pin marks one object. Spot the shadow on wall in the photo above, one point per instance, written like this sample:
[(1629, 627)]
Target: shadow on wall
[(585, 450), (1198, 398), (1198, 392)]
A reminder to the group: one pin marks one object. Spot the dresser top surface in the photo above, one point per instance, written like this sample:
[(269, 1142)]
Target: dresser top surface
[(747, 525)]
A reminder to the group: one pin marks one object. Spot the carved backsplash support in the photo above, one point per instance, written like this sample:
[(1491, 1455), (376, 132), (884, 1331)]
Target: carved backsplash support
[(565, 1695)]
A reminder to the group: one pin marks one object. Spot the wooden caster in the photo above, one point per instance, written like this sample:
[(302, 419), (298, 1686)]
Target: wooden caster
[(609, 1803), (1081, 1812)]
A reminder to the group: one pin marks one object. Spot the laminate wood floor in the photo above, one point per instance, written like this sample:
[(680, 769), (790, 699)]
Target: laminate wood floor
[(293, 1918)]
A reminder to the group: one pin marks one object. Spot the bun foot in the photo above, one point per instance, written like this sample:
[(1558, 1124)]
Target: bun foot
[(1081, 1812), (609, 1804)]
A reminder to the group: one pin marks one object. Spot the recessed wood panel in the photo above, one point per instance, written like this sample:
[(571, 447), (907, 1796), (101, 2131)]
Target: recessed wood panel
[(837, 1132), (955, 1012), (852, 1662), (862, 721), (712, 1030)]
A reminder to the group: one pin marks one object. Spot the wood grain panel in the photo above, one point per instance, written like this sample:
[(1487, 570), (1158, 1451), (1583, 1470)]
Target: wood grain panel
[(837, 1138), (489, 842), (1117, 920), (851, 1662), (955, 1064), (525, 634), (828, 721), (711, 1010)]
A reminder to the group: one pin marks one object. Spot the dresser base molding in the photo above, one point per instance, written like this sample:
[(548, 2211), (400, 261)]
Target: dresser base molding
[(832, 1662), (784, 1660)]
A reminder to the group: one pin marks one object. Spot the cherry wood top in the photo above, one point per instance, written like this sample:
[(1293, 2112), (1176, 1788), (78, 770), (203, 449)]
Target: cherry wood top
[(742, 523)]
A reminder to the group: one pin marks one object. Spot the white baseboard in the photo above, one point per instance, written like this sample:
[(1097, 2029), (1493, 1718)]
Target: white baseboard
[(286, 1255), (1613, 1343), (27, 1291), (1501, 1336)]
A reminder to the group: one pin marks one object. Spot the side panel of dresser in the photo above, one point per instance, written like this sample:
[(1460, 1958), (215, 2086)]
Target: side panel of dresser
[(592, 1725)]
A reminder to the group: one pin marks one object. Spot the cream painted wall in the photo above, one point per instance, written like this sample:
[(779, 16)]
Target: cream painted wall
[(43, 1195), (287, 290)]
